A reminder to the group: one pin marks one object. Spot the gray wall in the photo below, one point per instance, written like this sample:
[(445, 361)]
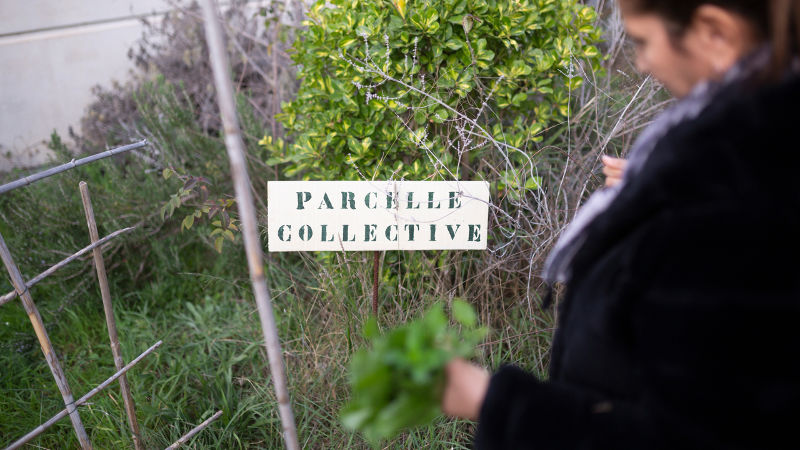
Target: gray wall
[(52, 53)]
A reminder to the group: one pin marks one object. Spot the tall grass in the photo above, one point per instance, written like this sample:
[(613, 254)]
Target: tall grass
[(172, 285)]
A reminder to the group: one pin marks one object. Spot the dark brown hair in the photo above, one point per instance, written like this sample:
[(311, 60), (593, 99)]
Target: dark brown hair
[(776, 21)]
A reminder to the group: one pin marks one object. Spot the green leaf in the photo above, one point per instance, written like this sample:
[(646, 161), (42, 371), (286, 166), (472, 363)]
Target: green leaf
[(365, 144), (431, 20), (574, 83), (454, 44), (353, 144), (371, 329), (355, 418), (401, 7), (464, 314), (188, 221), (533, 183), (218, 244)]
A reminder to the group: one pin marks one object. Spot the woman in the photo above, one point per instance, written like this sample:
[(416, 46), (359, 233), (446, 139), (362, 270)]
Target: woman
[(678, 328)]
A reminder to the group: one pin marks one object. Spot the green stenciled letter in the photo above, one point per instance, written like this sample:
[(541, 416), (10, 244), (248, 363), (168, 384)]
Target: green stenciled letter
[(452, 231), (366, 200), (305, 233), (410, 227), (325, 234), (410, 204), (288, 229), (433, 232), (302, 198), (430, 202), (369, 233), (348, 197), (455, 200), (346, 234), (391, 202), (326, 201), (474, 234), (388, 233)]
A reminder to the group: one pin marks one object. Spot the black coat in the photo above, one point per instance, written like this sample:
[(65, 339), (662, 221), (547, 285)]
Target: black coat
[(680, 327)]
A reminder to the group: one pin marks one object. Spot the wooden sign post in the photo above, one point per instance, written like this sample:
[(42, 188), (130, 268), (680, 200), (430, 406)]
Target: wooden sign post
[(377, 216)]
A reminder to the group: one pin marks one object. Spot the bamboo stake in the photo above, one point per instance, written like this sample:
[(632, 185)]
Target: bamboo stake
[(194, 431), (70, 165), (44, 341), (105, 292), (244, 199), (41, 428), (13, 294)]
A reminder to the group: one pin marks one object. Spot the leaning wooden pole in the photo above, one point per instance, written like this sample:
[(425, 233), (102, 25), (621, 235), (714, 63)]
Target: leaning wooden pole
[(247, 213), (185, 438), (105, 293), (24, 181), (44, 342)]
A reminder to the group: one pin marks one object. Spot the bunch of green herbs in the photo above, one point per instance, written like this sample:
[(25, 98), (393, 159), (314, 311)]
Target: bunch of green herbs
[(399, 382)]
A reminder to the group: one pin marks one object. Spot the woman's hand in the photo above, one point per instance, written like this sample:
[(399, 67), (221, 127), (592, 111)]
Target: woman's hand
[(465, 389), (614, 168)]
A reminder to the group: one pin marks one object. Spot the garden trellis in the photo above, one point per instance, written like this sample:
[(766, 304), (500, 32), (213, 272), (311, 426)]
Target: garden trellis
[(22, 290)]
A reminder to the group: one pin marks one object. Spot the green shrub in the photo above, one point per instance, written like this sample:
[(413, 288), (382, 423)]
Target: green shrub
[(410, 90)]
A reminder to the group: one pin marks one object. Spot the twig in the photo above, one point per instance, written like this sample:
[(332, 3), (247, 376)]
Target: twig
[(105, 292), (70, 165), (44, 342), (13, 294), (375, 263), (38, 430), (244, 197), (194, 431)]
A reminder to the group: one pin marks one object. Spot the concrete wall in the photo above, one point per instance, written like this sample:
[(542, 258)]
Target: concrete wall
[(51, 54)]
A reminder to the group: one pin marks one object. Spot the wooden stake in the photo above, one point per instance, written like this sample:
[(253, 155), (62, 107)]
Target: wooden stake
[(41, 428), (247, 214), (105, 292), (44, 342), (376, 262), (194, 431)]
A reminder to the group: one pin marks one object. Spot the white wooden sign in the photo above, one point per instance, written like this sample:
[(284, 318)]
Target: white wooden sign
[(377, 215)]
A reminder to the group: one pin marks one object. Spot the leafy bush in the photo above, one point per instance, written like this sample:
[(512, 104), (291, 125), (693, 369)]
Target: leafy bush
[(407, 90)]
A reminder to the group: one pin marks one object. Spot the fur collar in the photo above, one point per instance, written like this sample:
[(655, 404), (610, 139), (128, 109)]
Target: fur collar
[(741, 153), (701, 106)]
